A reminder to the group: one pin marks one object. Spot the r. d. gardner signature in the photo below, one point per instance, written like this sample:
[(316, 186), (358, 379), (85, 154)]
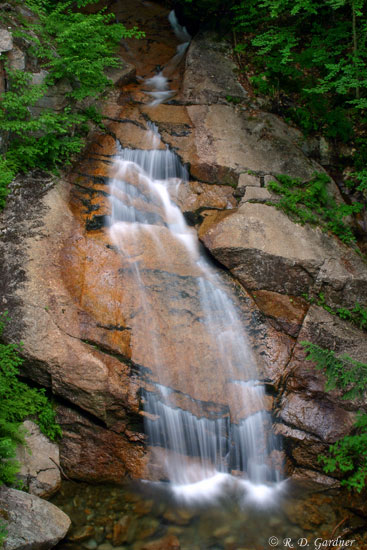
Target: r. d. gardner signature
[(317, 544)]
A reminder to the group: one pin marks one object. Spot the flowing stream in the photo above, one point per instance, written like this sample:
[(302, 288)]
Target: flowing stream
[(204, 447)]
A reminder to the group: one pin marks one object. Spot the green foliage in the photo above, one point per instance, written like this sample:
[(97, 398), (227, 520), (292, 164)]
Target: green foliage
[(232, 99), (74, 48), (314, 52), (356, 315), (78, 47), (7, 174), (3, 532), (43, 140), (349, 454), (17, 402), (310, 202)]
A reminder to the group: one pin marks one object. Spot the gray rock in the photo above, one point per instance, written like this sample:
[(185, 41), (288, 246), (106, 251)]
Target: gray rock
[(248, 180), (265, 250), (55, 98), (16, 59), (258, 194), (322, 418), (210, 72), (6, 41), (302, 474), (224, 143), (39, 78), (121, 75), (39, 459), (32, 523)]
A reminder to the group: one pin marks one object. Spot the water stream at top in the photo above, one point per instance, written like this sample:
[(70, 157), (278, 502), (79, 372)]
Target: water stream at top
[(203, 446)]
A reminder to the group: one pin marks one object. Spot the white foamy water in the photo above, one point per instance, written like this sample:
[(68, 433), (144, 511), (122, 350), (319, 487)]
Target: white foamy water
[(203, 445)]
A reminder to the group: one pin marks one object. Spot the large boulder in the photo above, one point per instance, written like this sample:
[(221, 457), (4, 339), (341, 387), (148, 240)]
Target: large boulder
[(223, 143), (210, 75), (265, 250), (91, 452), (40, 463), (31, 523), (6, 41)]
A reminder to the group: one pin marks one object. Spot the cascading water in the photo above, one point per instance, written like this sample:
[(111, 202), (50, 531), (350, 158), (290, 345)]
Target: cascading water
[(202, 443), (159, 83)]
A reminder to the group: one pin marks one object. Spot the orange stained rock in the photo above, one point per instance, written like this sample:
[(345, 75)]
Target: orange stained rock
[(290, 308)]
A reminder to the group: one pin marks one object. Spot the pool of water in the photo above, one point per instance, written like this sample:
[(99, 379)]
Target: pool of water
[(143, 516)]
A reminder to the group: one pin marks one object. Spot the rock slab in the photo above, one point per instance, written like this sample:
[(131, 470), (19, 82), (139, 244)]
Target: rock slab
[(32, 523), (39, 459), (265, 250)]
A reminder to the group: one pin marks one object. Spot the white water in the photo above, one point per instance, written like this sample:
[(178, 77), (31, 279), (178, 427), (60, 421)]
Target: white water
[(158, 85), (205, 447)]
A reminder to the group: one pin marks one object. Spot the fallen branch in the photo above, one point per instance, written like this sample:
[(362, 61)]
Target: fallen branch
[(61, 470)]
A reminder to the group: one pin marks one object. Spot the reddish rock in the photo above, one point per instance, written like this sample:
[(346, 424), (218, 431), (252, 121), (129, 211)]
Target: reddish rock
[(315, 418), (288, 312), (169, 542), (93, 453), (121, 530), (194, 197)]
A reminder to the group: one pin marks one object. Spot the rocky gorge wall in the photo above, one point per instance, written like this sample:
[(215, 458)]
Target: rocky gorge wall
[(72, 300)]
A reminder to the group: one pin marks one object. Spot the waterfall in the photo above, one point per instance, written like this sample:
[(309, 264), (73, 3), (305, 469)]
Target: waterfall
[(202, 442)]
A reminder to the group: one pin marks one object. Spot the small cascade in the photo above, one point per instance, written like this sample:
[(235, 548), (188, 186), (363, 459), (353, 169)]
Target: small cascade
[(202, 442), (158, 85)]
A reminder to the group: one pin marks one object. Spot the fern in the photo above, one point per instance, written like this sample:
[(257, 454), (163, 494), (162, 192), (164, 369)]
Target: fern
[(356, 315), (349, 454), (17, 402)]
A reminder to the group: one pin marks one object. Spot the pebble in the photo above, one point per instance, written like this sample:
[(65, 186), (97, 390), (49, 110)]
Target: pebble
[(90, 544), (83, 533), (222, 531)]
